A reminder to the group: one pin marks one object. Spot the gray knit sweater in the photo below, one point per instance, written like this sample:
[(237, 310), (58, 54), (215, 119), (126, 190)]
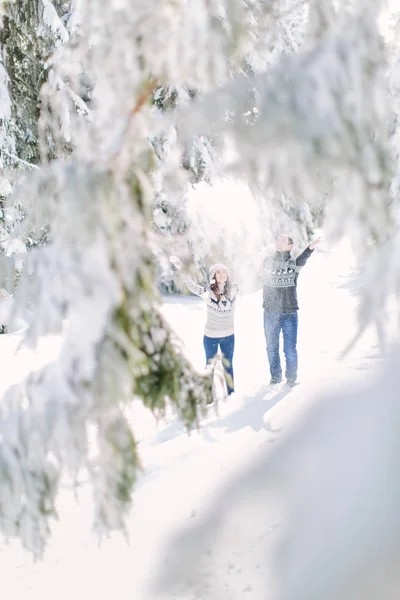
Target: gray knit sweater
[(220, 315)]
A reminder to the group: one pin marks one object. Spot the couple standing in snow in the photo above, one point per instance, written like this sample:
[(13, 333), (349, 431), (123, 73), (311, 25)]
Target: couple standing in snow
[(278, 274)]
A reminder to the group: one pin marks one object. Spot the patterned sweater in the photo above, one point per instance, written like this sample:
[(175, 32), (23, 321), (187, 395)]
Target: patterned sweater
[(279, 274), (220, 315)]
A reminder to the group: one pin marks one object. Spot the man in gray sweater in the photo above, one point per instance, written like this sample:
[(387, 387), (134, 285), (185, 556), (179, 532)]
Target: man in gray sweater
[(279, 274)]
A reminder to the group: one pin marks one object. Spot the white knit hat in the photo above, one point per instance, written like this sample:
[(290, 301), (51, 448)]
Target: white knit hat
[(218, 267)]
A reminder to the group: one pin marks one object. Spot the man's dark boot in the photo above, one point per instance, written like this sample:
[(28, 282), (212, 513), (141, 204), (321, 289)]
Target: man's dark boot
[(291, 381), (275, 380)]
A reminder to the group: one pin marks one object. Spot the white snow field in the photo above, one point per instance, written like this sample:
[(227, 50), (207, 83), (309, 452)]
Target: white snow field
[(180, 547)]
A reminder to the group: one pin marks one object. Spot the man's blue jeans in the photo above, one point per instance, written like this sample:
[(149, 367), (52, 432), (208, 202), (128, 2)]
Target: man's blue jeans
[(274, 323), (227, 345)]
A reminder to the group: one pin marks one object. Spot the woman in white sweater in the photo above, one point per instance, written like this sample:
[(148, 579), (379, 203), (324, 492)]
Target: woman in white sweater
[(220, 297)]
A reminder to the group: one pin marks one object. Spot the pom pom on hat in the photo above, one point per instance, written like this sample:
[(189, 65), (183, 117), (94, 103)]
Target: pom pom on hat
[(218, 267)]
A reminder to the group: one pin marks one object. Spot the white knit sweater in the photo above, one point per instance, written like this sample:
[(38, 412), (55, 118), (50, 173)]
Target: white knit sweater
[(220, 315)]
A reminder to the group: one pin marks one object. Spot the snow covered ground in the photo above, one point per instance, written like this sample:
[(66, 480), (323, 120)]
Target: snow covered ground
[(188, 479)]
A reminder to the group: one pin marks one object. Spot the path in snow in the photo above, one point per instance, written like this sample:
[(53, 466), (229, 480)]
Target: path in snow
[(185, 475)]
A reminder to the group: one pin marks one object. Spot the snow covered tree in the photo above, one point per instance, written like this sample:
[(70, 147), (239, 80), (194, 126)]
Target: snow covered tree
[(95, 282), (30, 32)]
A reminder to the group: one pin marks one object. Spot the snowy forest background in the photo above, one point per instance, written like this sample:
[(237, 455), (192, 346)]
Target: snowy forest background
[(199, 128)]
